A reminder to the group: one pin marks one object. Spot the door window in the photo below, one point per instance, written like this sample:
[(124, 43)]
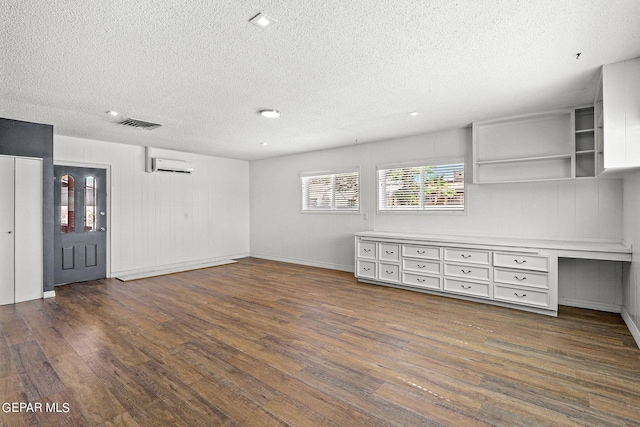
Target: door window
[(67, 213), (89, 204)]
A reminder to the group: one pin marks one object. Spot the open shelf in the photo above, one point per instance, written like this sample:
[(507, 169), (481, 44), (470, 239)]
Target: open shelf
[(584, 136), (524, 160), (550, 145)]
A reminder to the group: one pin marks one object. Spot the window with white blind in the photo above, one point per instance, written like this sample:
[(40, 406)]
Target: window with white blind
[(338, 191), (432, 187)]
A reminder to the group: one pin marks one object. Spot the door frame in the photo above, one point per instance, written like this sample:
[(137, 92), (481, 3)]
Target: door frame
[(107, 168)]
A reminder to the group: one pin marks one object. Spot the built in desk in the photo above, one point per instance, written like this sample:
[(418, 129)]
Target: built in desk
[(511, 272)]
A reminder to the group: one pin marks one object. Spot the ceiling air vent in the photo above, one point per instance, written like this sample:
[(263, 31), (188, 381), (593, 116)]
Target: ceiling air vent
[(135, 123)]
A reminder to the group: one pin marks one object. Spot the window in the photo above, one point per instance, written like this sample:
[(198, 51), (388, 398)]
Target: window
[(90, 204), (435, 187), (67, 214), (331, 191)]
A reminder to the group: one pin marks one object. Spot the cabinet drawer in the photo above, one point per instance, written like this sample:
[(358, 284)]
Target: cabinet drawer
[(467, 288), (471, 256), (431, 267), (526, 262), (426, 252), (467, 271), (389, 252), (367, 269), (421, 281), (521, 278), (537, 298), (389, 272), (367, 250)]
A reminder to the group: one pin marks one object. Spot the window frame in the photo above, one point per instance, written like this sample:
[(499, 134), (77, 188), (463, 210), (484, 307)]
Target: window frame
[(421, 210), (304, 193)]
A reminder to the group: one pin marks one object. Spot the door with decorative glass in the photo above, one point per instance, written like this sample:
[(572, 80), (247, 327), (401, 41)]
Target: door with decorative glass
[(80, 224)]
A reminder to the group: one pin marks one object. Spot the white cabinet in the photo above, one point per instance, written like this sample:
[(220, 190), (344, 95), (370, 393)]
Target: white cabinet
[(21, 239), (617, 116), (487, 273), (549, 145)]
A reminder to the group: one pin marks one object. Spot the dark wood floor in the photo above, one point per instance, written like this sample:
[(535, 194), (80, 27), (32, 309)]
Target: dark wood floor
[(267, 343)]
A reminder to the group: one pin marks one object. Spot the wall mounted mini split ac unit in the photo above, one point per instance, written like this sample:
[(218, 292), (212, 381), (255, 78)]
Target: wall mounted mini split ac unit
[(167, 165), (157, 164)]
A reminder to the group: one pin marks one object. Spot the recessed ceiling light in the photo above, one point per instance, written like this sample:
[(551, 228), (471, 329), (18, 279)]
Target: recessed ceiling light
[(263, 143), (270, 113), (113, 113), (413, 113), (261, 20)]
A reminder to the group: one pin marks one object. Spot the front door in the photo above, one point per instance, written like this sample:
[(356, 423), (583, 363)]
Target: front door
[(80, 224)]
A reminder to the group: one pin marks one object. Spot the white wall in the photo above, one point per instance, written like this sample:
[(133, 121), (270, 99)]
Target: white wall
[(631, 286), (162, 221), (572, 209)]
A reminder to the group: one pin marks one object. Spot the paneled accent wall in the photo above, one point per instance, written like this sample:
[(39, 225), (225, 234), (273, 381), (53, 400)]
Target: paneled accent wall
[(161, 220), (631, 284), (587, 208)]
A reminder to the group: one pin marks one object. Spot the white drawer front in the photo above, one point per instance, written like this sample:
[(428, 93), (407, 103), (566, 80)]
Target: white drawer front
[(467, 271), (389, 252), (467, 288), (389, 272), (527, 262), (367, 250), (471, 256), (521, 278), (426, 252), (431, 267), (367, 269), (536, 298), (421, 281)]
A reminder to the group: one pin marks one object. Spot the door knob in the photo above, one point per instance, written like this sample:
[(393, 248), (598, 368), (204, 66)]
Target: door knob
[(103, 229), (8, 232)]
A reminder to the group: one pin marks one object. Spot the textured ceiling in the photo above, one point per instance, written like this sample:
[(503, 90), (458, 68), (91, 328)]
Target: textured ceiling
[(339, 71)]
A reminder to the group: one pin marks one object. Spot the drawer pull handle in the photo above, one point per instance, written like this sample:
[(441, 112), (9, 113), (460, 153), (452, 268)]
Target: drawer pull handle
[(421, 252), (389, 252), (367, 250), (520, 278), (366, 269), (421, 265), (389, 272), (519, 261), (421, 280), (520, 296), (465, 271), (465, 256), (465, 287)]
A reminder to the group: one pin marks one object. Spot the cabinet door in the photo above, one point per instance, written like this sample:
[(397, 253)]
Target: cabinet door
[(28, 229), (6, 231), (621, 113)]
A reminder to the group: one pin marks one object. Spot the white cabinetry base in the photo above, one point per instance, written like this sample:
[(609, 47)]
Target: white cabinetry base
[(515, 273)]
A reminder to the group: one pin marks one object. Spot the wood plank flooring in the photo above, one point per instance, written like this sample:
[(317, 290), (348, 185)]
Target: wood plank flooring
[(262, 343)]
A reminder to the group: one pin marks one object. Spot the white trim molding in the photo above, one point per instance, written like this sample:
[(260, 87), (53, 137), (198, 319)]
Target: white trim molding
[(633, 328)]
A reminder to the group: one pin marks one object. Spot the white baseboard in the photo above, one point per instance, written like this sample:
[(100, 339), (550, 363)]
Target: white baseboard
[(633, 328), (49, 294), (610, 308), (174, 268), (328, 265)]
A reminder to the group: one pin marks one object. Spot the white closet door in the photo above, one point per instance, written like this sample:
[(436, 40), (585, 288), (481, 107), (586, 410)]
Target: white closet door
[(6, 231), (28, 229)]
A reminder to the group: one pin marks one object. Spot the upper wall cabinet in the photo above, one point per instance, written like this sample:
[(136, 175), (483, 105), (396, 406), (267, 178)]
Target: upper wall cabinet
[(617, 111), (550, 145)]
